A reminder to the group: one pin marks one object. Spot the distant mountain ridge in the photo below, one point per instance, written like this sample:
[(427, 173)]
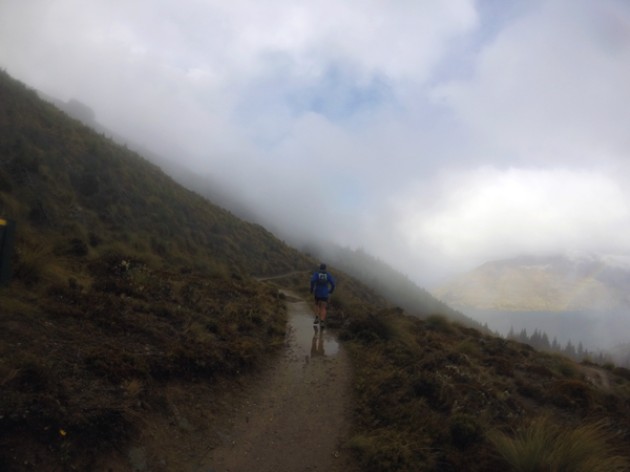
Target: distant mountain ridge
[(540, 283)]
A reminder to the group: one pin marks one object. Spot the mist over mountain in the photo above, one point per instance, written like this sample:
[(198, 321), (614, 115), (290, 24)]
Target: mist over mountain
[(584, 298), (386, 280), (539, 283), (209, 185)]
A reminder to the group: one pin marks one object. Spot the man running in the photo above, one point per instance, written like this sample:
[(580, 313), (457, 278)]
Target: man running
[(322, 286)]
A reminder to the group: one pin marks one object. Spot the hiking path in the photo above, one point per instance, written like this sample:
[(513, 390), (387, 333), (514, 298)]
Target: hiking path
[(295, 417), (292, 415)]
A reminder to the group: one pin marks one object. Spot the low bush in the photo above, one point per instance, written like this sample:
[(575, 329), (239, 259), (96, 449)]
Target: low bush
[(439, 323)]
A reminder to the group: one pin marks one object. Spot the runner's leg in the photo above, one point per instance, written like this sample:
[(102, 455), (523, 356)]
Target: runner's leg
[(316, 321), (322, 310)]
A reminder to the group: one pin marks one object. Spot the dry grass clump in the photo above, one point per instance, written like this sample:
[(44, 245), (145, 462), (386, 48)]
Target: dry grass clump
[(545, 445)]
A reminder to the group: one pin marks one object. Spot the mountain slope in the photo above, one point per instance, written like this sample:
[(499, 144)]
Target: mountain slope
[(433, 396), (74, 184), (124, 284), (542, 284)]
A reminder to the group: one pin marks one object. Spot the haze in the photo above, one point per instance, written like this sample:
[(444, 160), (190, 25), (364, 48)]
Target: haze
[(435, 135)]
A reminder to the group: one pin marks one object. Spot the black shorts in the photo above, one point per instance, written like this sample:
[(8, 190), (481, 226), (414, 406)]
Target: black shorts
[(321, 299)]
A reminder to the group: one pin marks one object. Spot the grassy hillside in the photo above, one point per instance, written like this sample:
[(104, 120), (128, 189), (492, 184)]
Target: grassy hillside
[(124, 282), (85, 193), (436, 396)]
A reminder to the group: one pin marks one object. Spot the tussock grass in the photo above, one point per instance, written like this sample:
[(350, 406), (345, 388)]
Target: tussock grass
[(545, 445)]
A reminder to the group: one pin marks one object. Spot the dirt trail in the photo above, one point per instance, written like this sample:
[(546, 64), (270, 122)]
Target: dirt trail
[(295, 417), (291, 416)]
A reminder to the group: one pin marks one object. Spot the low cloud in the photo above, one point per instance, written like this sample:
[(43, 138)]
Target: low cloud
[(492, 213), (434, 136)]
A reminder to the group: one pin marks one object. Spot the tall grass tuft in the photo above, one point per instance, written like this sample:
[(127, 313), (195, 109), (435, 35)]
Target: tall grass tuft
[(546, 446)]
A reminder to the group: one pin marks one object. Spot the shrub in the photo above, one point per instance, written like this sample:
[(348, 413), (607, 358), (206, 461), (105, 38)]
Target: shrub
[(369, 328), (439, 323), (545, 445), (563, 366), (32, 264), (622, 372), (469, 347), (570, 394), (465, 430), (384, 449)]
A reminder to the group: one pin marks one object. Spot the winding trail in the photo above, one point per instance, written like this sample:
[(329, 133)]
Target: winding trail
[(296, 416)]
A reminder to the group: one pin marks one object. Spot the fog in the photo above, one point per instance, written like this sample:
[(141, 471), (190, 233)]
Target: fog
[(434, 135)]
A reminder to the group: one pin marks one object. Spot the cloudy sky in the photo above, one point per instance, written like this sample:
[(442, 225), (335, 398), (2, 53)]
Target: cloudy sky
[(434, 134)]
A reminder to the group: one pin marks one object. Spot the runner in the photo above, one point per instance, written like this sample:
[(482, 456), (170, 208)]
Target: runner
[(322, 286)]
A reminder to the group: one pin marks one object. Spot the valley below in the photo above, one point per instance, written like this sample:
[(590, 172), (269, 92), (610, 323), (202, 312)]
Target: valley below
[(593, 330)]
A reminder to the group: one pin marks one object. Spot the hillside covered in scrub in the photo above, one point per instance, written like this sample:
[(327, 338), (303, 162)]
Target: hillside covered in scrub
[(124, 283), (436, 396), (127, 288)]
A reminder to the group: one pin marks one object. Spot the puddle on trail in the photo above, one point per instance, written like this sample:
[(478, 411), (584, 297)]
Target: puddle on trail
[(313, 341)]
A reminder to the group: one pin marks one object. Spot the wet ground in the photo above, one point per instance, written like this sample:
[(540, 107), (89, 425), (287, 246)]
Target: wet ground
[(309, 338), (292, 416), (296, 417)]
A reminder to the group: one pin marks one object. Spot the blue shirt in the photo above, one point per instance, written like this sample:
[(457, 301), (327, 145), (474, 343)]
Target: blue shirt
[(323, 284)]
